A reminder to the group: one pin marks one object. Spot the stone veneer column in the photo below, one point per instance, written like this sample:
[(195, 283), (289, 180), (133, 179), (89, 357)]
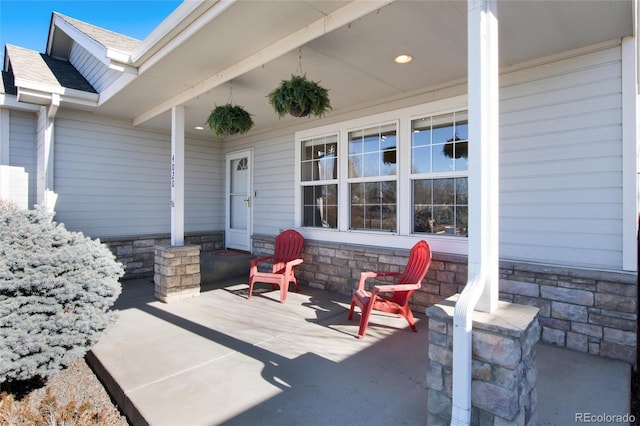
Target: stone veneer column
[(503, 385), (177, 272)]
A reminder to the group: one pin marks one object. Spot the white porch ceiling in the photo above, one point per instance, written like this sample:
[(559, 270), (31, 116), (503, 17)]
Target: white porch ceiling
[(355, 61)]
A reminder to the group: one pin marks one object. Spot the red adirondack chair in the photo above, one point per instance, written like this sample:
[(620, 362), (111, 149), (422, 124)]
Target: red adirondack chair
[(286, 256), (398, 302)]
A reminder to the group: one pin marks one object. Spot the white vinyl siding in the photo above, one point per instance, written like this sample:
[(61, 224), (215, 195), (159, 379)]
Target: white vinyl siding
[(113, 180), (204, 186), (22, 155), (561, 162), (560, 167), (96, 72), (273, 185)]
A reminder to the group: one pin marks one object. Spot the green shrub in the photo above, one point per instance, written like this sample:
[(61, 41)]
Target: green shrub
[(56, 288)]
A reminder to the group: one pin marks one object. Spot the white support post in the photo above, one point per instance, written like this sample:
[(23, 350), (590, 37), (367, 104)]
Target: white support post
[(481, 291), (630, 132), (483, 150), (177, 176)]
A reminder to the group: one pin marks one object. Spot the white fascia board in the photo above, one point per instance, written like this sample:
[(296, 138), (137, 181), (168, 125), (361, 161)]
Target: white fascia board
[(115, 87), (43, 94), (352, 11), (79, 97), (31, 85), (175, 42), (36, 97), (5, 67), (153, 42), (92, 46), (113, 58), (11, 102), (120, 61)]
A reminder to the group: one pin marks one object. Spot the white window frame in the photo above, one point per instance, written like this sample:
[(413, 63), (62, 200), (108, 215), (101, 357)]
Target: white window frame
[(402, 238)]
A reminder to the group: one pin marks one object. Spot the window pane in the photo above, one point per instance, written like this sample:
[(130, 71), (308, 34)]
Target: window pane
[(440, 206), (320, 207), (460, 162), (442, 129), (422, 219), (373, 206), (307, 151), (443, 220), (388, 191), (462, 221), (462, 129), (306, 171), (441, 161), (372, 152), (443, 191), (389, 217), (462, 191), (447, 135), (421, 159), (371, 143), (319, 159), (371, 165), (422, 192), (355, 166)]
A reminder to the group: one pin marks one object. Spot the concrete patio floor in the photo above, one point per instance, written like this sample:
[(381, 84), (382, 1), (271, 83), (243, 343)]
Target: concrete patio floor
[(220, 359)]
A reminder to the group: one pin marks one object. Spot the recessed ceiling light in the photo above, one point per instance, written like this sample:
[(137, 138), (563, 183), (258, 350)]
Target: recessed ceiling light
[(403, 59), (199, 128)]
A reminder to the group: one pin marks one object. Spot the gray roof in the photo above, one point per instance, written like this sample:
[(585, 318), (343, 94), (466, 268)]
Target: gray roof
[(37, 67), (108, 39)]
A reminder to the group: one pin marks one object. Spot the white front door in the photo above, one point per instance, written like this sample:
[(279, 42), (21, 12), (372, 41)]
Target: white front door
[(238, 212)]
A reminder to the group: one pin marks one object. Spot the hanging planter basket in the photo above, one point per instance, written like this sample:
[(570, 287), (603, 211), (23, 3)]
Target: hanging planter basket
[(461, 149), (228, 120), (299, 97)]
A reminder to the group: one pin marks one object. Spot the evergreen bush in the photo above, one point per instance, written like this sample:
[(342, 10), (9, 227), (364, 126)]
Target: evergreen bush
[(56, 288)]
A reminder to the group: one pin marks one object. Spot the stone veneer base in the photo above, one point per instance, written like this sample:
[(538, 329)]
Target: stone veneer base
[(503, 385), (177, 272), (586, 310)]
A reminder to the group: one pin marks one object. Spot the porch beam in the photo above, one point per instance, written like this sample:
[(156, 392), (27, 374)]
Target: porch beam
[(177, 176), (331, 22)]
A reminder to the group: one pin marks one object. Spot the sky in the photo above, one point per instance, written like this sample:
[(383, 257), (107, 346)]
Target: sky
[(25, 23)]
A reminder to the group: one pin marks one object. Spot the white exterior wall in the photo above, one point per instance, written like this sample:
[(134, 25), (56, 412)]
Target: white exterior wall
[(18, 157), (273, 185), (561, 162), (273, 180), (96, 73), (22, 156), (113, 180)]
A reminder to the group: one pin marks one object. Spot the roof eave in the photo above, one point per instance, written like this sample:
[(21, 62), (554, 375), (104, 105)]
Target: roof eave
[(177, 27), (112, 58), (43, 94)]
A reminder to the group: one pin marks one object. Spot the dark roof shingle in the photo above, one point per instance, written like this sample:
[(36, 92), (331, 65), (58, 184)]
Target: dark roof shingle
[(37, 67)]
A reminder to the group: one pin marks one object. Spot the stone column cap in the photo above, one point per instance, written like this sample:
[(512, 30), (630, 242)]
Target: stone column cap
[(509, 319)]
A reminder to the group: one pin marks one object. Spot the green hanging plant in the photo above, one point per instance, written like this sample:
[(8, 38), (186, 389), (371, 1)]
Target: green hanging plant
[(299, 97), (228, 119)]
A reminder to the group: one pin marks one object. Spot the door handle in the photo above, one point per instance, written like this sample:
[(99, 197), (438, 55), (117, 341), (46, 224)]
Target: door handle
[(248, 200)]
